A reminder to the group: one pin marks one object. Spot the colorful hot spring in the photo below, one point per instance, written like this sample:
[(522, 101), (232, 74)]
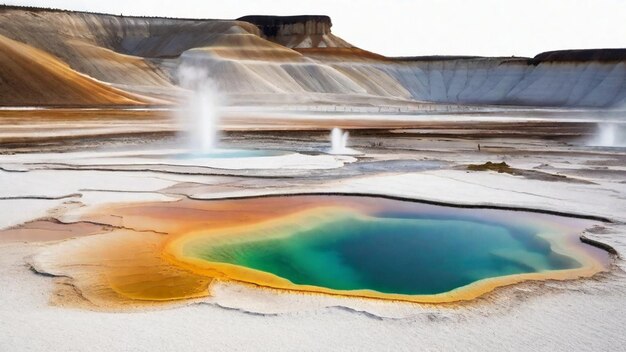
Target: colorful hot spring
[(378, 247)]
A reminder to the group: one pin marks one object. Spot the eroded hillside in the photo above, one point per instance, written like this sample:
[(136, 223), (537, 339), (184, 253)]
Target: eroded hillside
[(275, 60)]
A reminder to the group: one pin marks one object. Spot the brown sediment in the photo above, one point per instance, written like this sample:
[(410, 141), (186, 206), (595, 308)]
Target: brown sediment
[(38, 78), (120, 269), (126, 268), (49, 230), (501, 167), (598, 244)]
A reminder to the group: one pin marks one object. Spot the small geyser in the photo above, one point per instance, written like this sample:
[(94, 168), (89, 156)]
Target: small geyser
[(339, 142), (201, 111), (609, 134)]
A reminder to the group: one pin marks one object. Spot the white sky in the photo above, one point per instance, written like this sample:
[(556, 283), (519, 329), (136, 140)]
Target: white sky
[(415, 27)]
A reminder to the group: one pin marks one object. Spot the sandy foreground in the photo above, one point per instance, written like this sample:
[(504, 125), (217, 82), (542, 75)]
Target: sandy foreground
[(559, 175)]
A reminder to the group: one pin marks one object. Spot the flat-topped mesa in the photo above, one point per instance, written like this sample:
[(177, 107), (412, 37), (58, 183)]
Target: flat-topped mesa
[(273, 26), (581, 55), (305, 31)]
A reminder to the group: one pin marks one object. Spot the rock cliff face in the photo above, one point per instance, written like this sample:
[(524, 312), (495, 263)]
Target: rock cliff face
[(514, 82), (297, 31), (273, 26), (295, 60), (599, 55)]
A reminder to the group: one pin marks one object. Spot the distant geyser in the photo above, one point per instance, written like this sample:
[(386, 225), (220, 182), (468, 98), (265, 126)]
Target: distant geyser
[(610, 134), (201, 110), (339, 142)]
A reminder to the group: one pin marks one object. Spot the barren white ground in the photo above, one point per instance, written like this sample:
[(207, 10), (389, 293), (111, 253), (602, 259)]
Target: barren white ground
[(583, 315)]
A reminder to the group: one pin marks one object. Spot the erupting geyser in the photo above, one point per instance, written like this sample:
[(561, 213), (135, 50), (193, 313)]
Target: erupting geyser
[(610, 134), (201, 115), (202, 109), (339, 142)]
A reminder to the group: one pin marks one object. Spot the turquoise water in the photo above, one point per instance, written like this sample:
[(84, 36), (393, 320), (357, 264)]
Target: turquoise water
[(395, 252), (232, 153)]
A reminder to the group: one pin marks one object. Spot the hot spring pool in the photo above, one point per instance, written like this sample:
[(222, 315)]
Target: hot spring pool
[(372, 246)]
